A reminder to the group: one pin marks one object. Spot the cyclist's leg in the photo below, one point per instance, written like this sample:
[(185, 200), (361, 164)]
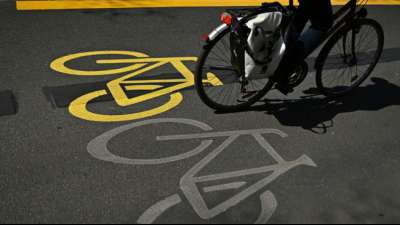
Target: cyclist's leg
[(309, 40), (321, 16), (293, 50), (298, 23), (300, 45)]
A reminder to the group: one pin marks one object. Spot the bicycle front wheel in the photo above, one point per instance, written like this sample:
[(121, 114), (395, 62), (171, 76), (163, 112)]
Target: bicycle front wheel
[(219, 83), (349, 57)]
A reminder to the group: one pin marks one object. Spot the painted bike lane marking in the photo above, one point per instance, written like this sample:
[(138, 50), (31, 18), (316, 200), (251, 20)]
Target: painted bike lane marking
[(115, 4), (189, 183), (136, 65)]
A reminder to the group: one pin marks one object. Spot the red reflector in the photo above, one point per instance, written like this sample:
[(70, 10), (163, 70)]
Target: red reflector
[(226, 18), (205, 37)]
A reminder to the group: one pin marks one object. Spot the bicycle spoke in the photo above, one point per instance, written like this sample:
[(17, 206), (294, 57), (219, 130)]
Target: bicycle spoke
[(234, 91), (341, 72)]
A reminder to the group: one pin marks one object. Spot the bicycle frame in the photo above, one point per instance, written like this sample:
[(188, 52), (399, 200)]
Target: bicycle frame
[(344, 16)]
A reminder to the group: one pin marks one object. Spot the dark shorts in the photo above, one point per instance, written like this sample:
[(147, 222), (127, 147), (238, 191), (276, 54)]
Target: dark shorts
[(319, 12)]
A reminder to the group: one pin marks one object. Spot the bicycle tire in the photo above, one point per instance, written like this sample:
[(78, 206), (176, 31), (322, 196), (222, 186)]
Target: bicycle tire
[(201, 88), (340, 37)]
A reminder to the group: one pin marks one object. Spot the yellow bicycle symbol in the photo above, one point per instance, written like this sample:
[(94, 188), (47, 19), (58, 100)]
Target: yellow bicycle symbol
[(137, 64)]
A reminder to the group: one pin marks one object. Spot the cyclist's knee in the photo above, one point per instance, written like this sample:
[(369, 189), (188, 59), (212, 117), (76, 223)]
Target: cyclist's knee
[(323, 25), (310, 39)]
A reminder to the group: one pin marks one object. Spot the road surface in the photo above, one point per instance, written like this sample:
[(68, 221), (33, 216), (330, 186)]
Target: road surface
[(70, 154)]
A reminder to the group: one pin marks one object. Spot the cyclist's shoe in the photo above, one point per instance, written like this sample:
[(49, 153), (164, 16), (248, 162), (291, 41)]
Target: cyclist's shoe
[(282, 81)]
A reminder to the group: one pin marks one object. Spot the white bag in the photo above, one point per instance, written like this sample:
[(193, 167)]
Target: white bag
[(261, 41)]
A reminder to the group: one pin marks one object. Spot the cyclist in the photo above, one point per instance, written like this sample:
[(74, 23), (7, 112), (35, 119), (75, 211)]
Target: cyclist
[(300, 45)]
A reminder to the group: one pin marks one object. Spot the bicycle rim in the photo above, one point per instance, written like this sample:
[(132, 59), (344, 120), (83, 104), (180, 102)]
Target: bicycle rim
[(219, 83), (343, 69)]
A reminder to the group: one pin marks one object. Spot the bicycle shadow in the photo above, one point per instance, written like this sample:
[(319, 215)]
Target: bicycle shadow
[(316, 113)]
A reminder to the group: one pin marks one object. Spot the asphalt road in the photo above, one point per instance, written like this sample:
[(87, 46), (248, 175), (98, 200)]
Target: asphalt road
[(49, 173)]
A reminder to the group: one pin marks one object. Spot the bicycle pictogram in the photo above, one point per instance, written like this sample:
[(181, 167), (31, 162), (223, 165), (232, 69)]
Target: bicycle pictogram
[(190, 182), (135, 65)]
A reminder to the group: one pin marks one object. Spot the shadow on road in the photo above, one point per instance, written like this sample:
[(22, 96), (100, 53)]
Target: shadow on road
[(316, 113), (388, 55), (8, 103)]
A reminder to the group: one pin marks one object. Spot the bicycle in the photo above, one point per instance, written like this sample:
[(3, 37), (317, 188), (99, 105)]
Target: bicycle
[(353, 48)]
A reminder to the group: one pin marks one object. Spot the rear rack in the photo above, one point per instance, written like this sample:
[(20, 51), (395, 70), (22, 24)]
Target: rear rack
[(250, 12)]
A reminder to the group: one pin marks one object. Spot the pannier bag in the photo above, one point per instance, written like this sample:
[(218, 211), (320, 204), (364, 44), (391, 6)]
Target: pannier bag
[(266, 45)]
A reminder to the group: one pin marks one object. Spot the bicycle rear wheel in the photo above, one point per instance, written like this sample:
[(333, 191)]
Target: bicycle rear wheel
[(219, 83), (346, 62)]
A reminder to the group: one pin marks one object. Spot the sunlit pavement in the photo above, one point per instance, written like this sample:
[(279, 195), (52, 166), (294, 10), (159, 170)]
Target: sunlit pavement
[(82, 142)]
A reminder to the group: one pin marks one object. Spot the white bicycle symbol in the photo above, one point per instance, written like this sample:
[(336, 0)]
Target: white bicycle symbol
[(188, 183)]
